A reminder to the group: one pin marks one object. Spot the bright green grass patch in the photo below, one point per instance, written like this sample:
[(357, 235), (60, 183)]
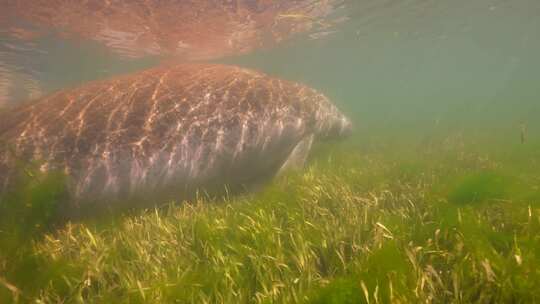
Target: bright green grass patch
[(479, 187), (359, 225), (340, 291)]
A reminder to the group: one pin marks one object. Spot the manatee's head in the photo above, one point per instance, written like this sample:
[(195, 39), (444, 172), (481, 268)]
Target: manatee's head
[(330, 121)]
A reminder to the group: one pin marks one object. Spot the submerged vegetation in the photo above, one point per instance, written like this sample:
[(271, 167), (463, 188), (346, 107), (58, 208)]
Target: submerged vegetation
[(364, 223), (434, 199)]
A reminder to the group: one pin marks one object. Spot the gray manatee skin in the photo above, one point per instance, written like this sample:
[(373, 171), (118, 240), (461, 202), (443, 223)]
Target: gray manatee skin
[(166, 130)]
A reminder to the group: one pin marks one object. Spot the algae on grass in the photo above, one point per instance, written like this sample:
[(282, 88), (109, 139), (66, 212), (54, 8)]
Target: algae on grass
[(340, 291), (27, 213), (479, 187)]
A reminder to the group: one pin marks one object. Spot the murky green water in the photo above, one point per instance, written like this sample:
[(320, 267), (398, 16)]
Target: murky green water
[(405, 63)]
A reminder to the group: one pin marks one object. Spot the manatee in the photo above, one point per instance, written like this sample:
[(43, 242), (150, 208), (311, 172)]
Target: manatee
[(168, 130)]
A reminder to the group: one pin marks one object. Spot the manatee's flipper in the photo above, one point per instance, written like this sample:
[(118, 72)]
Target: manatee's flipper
[(298, 156)]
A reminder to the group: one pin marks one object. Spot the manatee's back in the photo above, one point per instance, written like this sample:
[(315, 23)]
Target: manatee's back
[(8, 119), (3, 150), (177, 124)]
